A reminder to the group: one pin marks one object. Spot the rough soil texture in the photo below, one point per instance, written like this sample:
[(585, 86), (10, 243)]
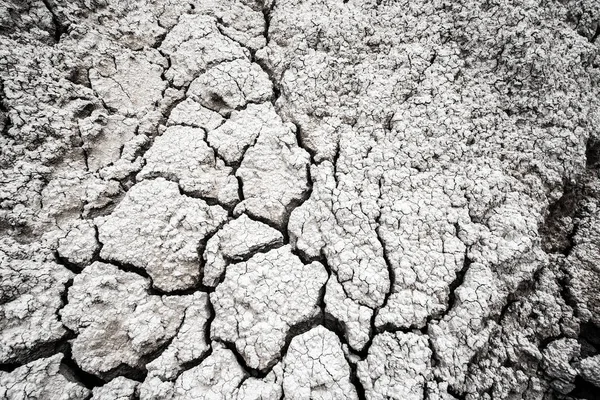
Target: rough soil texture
[(299, 199)]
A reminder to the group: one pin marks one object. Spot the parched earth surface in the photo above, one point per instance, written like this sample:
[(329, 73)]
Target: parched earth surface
[(299, 199)]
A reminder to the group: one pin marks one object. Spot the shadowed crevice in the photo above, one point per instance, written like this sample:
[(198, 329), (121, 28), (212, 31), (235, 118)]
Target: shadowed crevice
[(60, 26)]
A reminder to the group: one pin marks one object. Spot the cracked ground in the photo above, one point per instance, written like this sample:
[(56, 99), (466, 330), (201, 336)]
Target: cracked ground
[(299, 199)]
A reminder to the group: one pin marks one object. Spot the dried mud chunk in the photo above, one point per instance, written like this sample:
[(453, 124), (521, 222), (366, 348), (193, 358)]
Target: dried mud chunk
[(75, 194), (79, 245), (464, 330), (356, 317), (190, 342), (419, 227), (268, 388), (116, 321), (159, 230), (45, 378), (315, 368), (242, 21), (239, 132), (192, 113), (193, 45), (237, 239), (589, 369), (216, 378), (154, 388), (231, 85), (130, 83), (274, 173), (337, 221), (119, 388), (181, 154), (557, 363), (397, 367), (261, 299), (30, 297), (104, 136)]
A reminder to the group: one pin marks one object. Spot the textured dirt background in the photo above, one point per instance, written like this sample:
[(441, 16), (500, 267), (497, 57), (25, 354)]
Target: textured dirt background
[(236, 199)]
